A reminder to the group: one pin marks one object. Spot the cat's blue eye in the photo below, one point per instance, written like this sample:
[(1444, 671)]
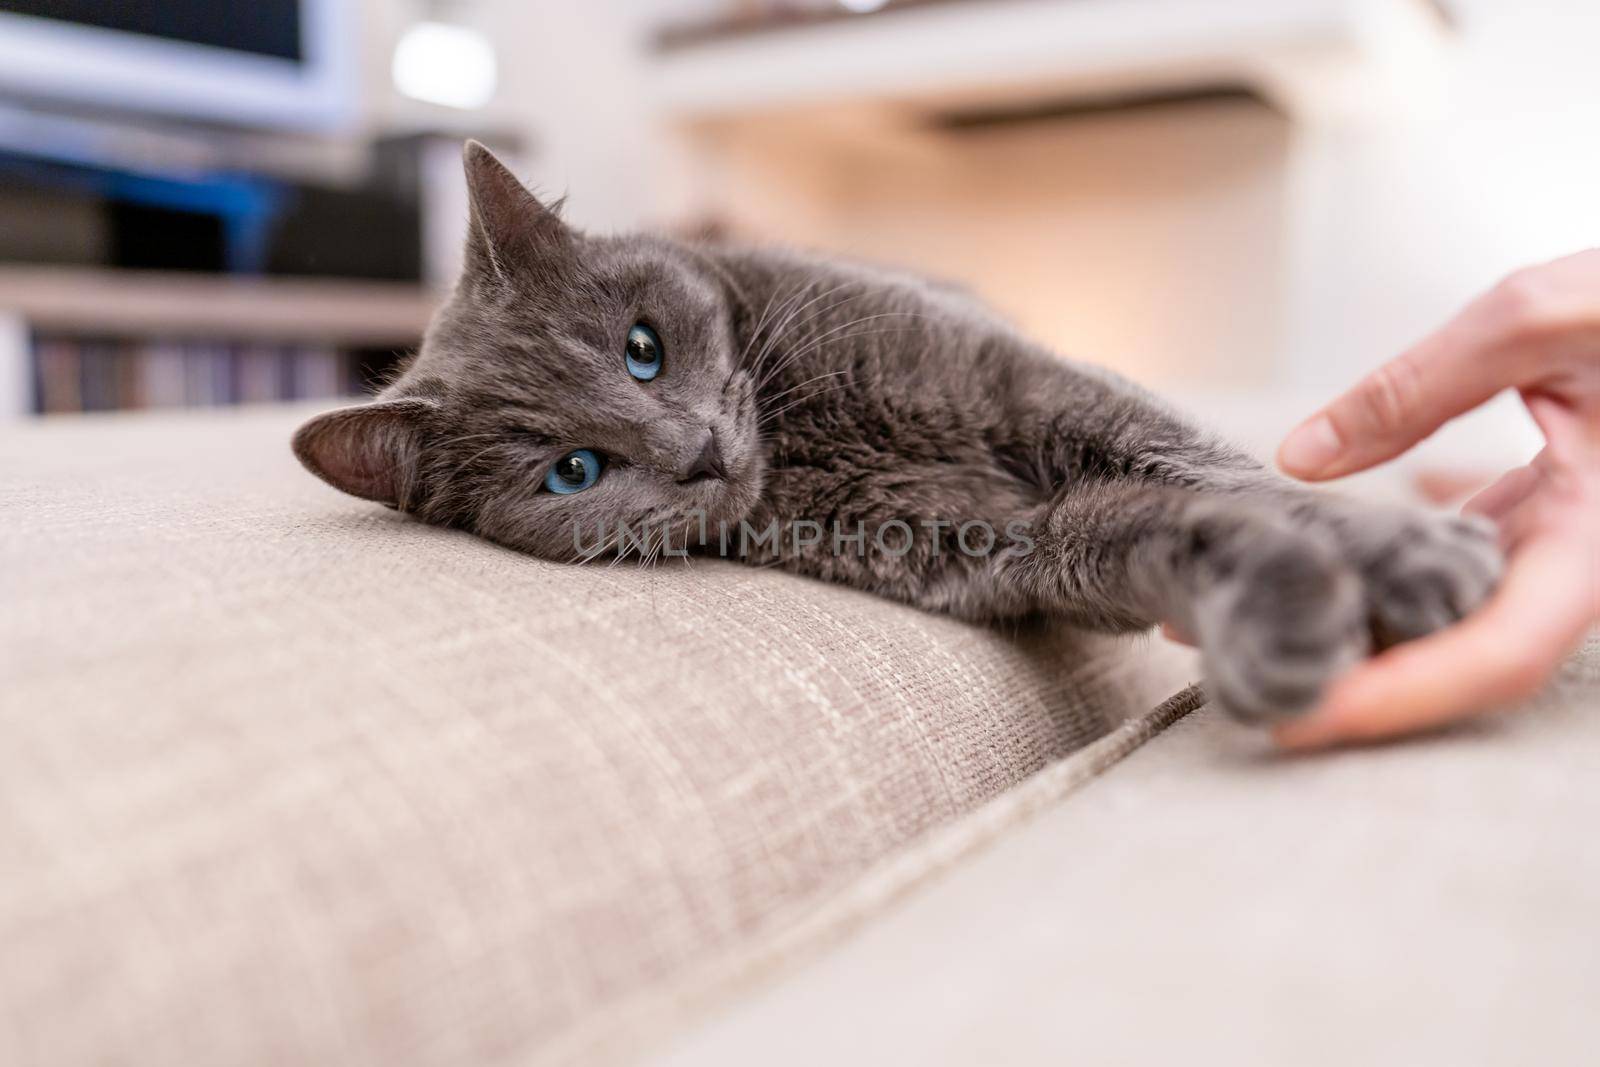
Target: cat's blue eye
[(643, 353), (573, 472)]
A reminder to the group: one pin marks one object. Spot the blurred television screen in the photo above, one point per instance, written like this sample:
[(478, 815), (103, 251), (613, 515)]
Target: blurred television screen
[(280, 63)]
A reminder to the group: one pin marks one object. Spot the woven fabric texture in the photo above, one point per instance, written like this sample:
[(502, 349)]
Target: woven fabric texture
[(287, 778), (1433, 903)]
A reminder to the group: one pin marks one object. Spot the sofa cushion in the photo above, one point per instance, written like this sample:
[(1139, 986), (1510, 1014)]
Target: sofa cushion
[(287, 777), (1209, 901)]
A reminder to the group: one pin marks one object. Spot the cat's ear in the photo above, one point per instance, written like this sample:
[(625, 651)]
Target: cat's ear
[(368, 451), (511, 231)]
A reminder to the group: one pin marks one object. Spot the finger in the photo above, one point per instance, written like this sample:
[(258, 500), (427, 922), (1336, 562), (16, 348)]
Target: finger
[(1568, 432), (1443, 485), (1492, 659), (1448, 373), (1172, 632), (1511, 489)]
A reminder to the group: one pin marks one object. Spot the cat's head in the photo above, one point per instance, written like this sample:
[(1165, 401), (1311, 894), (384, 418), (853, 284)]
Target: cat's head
[(569, 380)]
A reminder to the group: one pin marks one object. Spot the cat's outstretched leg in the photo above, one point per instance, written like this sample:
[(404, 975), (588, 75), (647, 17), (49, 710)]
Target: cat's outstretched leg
[(1281, 590)]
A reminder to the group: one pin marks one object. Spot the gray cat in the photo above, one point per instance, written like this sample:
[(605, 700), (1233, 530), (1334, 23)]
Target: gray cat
[(873, 430)]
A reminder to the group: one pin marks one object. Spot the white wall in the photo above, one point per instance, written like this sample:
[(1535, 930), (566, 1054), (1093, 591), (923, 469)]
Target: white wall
[(1149, 242), (1395, 225)]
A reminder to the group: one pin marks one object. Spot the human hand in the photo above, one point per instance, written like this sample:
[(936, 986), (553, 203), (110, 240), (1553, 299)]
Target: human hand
[(1537, 332)]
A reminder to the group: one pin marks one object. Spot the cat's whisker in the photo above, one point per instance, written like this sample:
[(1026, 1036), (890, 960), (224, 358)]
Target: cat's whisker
[(470, 460), (793, 389), (607, 544), (451, 442), (833, 336), (761, 322), (647, 554), (755, 332), (796, 301), (851, 336), (767, 372), (621, 554), (642, 539), (804, 400), (771, 412), (778, 313), (788, 319), (813, 343), (818, 342)]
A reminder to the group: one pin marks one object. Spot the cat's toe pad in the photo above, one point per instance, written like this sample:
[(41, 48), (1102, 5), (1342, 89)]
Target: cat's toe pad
[(1429, 574), (1276, 630)]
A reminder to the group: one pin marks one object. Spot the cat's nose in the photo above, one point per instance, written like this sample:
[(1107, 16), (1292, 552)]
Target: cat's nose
[(707, 464)]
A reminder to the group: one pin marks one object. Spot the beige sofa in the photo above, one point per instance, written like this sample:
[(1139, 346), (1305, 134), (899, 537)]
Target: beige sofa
[(288, 779)]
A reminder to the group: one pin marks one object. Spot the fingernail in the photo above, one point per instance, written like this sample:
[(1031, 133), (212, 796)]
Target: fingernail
[(1311, 448)]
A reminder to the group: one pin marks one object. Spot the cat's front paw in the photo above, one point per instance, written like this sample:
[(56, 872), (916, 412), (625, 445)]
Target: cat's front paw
[(1423, 572), (1288, 610), (1284, 615)]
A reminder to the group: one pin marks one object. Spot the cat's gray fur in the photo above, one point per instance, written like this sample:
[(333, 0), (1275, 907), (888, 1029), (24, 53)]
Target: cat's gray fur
[(845, 395)]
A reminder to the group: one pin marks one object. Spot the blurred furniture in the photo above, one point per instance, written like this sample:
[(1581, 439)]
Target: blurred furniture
[(134, 286), (1311, 58), (196, 284), (343, 311), (290, 63), (289, 778), (74, 338)]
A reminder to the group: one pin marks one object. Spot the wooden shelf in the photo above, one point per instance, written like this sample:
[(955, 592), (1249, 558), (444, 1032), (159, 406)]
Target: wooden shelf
[(177, 305), (680, 35), (1312, 59)]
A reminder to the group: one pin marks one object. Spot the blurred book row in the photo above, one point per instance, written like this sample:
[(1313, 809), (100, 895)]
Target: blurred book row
[(75, 374)]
